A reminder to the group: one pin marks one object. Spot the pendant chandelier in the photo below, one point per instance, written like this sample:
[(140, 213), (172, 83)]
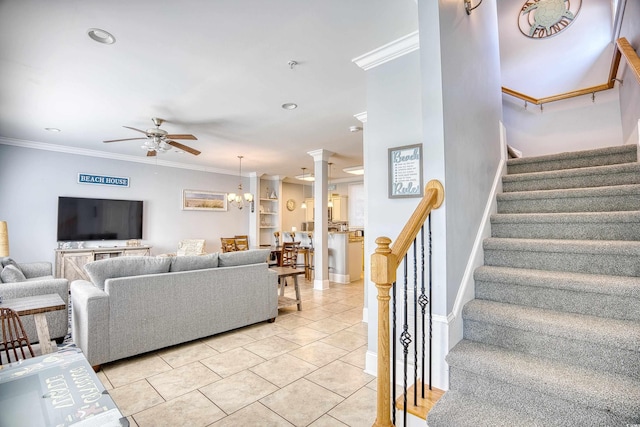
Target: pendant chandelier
[(240, 199)]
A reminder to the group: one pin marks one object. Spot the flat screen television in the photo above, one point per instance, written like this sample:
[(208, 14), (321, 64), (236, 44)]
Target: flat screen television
[(83, 219)]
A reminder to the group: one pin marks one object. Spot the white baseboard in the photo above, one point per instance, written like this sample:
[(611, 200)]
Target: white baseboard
[(466, 291), (339, 278)]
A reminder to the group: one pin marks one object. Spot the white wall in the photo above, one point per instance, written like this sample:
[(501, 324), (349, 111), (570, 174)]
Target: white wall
[(472, 110), (577, 58), (570, 125), (630, 91), (31, 181), (296, 217), (393, 119)]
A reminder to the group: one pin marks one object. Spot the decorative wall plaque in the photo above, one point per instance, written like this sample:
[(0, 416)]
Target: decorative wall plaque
[(540, 19), (405, 171)]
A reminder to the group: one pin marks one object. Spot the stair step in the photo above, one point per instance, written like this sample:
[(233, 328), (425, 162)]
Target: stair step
[(623, 225), (579, 159), (560, 393), (598, 176), (594, 342), (598, 199), (462, 410), (617, 297), (580, 256)]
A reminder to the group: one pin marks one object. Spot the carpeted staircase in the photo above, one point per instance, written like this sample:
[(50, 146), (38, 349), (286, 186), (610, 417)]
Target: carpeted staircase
[(553, 336)]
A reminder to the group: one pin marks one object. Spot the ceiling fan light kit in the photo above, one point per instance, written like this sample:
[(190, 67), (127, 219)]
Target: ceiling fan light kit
[(159, 140)]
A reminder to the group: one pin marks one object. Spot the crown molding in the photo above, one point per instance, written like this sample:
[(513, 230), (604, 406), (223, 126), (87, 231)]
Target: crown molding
[(361, 116), (388, 52), (111, 156)]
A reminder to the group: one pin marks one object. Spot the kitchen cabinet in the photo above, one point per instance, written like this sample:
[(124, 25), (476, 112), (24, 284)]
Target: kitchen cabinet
[(340, 210), (309, 215)]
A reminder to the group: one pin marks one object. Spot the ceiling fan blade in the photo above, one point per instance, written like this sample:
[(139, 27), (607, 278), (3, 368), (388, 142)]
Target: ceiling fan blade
[(137, 130), (126, 139), (181, 136), (151, 153), (183, 147)]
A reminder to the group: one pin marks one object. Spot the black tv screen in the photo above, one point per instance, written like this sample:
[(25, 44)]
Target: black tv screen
[(81, 219)]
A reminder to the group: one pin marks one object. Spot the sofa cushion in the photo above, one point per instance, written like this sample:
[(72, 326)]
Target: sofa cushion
[(100, 271), (252, 256), (12, 274), (194, 262)]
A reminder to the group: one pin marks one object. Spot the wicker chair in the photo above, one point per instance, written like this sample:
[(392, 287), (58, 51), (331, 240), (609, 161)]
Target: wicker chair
[(14, 338)]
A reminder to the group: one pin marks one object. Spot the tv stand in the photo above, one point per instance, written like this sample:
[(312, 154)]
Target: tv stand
[(70, 262)]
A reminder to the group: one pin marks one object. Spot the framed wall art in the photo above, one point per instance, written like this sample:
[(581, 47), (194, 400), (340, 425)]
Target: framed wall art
[(201, 200), (405, 171)]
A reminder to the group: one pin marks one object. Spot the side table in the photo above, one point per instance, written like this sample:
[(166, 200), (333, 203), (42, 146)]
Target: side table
[(38, 305), (283, 273)]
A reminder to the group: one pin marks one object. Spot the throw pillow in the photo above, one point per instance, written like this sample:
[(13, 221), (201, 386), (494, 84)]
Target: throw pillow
[(194, 262), (252, 256), (12, 274), (9, 261), (100, 271)]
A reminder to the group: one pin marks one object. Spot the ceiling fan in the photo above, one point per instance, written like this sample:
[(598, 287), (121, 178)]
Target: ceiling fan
[(159, 141)]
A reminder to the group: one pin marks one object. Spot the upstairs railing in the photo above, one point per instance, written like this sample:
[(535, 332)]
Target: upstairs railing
[(384, 265), (623, 48)]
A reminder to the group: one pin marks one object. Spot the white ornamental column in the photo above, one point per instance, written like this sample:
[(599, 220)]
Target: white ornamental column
[(321, 219)]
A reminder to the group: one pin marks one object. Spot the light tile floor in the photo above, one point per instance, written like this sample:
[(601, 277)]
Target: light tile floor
[(305, 369)]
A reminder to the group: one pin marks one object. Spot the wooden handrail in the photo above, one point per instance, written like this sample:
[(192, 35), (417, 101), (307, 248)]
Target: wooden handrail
[(630, 56), (623, 48), (384, 263)]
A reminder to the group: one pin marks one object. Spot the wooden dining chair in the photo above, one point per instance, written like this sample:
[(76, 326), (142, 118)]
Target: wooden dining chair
[(228, 244), (289, 255), (242, 243), (14, 337)]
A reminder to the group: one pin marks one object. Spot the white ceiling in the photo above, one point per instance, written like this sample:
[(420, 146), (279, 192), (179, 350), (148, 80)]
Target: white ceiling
[(215, 69)]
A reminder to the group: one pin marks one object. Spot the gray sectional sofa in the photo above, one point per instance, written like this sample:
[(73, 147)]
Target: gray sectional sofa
[(135, 305)]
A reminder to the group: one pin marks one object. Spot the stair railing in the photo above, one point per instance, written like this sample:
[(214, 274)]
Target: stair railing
[(623, 48), (384, 265)]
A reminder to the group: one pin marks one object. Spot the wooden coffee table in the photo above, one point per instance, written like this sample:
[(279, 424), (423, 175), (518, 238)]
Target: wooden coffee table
[(38, 305), (283, 273)]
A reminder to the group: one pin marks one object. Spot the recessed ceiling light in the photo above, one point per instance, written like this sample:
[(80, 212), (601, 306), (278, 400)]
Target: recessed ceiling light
[(52, 129), (289, 106), (101, 36)]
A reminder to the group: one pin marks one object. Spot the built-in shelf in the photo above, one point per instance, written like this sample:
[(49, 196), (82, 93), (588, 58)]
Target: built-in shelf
[(268, 226)]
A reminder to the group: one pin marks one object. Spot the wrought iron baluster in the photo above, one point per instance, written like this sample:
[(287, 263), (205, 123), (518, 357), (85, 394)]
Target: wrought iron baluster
[(430, 299), (423, 301), (405, 336), (415, 322)]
